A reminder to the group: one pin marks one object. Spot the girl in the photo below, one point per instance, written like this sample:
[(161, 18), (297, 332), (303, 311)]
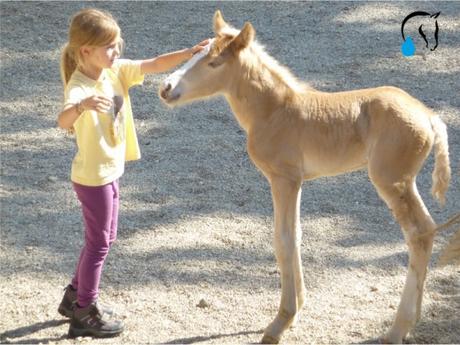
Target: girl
[(97, 109)]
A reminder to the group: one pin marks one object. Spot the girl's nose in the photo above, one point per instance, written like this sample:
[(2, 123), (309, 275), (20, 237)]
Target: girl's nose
[(116, 51)]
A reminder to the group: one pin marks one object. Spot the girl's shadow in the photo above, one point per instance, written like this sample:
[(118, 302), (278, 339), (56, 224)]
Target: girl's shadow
[(9, 336)]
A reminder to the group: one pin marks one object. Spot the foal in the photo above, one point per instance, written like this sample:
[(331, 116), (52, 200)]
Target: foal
[(296, 133)]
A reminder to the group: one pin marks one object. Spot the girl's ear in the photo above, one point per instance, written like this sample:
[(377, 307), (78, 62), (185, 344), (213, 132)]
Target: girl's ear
[(85, 51)]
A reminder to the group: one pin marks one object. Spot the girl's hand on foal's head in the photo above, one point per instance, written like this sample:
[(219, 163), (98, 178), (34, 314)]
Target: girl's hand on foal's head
[(101, 104), (199, 47)]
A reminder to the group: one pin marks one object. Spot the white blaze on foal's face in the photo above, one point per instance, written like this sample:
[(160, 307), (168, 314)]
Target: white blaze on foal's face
[(173, 87)]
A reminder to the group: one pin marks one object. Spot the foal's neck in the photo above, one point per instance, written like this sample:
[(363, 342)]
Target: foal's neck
[(258, 91)]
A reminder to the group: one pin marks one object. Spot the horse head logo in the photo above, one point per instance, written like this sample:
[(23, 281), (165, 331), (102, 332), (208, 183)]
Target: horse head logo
[(408, 47)]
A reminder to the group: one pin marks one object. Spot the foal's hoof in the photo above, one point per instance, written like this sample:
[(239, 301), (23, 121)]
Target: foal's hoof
[(268, 339)]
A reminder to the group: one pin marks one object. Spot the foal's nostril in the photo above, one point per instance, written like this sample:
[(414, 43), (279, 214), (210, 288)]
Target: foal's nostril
[(164, 91)]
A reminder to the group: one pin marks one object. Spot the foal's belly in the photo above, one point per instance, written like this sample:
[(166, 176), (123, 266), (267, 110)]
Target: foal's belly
[(334, 162)]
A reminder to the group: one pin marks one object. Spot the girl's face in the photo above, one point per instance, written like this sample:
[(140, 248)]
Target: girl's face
[(99, 58)]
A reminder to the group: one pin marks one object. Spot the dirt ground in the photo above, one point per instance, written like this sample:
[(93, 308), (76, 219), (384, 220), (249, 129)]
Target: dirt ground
[(196, 215)]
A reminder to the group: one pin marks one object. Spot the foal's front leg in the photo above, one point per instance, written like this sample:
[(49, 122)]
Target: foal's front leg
[(286, 203)]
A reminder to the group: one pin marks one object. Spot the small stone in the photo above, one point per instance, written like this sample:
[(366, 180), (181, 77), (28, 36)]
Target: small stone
[(374, 289), (203, 304), (52, 178)]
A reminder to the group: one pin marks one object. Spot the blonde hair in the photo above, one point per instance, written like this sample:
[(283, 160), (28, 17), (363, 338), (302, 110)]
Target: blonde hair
[(91, 27)]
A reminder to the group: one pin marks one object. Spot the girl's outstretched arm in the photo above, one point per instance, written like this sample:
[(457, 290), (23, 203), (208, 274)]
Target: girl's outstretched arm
[(165, 62)]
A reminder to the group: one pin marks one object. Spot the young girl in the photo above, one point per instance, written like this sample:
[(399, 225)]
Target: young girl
[(97, 108)]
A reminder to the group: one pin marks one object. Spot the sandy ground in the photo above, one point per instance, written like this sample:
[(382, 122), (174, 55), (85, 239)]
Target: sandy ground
[(196, 215)]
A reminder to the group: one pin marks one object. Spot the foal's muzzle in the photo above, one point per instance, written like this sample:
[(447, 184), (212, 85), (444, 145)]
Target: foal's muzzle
[(167, 94)]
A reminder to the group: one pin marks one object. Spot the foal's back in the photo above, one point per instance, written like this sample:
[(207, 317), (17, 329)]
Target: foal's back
[(338, 131)]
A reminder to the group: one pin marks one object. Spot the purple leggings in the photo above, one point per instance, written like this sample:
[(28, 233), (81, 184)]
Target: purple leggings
[(100, 212)]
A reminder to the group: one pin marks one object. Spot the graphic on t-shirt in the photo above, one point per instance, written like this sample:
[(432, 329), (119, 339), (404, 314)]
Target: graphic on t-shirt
[(117, 129)]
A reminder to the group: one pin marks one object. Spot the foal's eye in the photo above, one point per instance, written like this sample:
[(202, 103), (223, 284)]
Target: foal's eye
[(216, 62), (213, 64)]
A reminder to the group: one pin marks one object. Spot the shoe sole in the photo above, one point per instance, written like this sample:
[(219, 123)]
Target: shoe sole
[(79, 332)]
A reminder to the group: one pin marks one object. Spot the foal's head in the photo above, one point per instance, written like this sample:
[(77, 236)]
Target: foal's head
[(209, 72)]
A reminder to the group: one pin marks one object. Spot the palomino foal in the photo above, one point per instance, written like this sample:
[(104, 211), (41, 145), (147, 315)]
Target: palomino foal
[(296, 133)]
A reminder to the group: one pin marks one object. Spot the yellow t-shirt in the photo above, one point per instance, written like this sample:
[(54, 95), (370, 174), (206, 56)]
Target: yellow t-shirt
[(101, 154)]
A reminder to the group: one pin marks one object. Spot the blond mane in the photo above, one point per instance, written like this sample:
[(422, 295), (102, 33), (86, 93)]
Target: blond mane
[(258, 60)]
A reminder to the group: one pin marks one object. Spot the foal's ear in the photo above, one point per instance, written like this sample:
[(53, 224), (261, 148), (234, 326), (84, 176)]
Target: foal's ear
[(244, 38), (219, 22)]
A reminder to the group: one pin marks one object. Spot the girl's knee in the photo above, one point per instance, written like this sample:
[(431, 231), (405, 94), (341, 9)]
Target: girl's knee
[(98, 249)]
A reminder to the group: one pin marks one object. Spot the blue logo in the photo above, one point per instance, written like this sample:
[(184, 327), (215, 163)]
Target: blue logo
[(408, 46)]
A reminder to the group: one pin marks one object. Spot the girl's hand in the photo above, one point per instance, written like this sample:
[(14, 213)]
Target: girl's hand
[(71, 112), (101, 104), (199, 47)]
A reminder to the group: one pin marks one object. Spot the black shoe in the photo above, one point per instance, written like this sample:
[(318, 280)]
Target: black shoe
[(90, 321), (69, 301)]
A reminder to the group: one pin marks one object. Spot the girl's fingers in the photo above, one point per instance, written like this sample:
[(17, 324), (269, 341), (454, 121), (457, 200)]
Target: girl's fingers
[(100, 103), (104, 103), (104, 100), (102, 109), (197, 49), (204, 42)]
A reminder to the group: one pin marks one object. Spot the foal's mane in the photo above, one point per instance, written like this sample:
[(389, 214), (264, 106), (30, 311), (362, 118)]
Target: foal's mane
[(261, 66), (260, 60)]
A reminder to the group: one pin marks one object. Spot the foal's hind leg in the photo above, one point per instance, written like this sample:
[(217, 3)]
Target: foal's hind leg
[(403, 199), (286, 202)]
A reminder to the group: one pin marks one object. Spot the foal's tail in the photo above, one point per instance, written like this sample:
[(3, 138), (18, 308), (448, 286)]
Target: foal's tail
[(441, 172)]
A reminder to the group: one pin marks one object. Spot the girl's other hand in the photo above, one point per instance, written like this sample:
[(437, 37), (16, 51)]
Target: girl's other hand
[(101, 104), (199, 47)]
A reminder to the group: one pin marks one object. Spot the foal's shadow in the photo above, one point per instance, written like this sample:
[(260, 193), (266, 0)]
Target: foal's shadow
[(377, 340), (199, 339), (9, 336)]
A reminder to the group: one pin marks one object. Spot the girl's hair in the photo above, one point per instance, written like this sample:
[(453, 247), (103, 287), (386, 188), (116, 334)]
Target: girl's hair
[(90, 27)]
